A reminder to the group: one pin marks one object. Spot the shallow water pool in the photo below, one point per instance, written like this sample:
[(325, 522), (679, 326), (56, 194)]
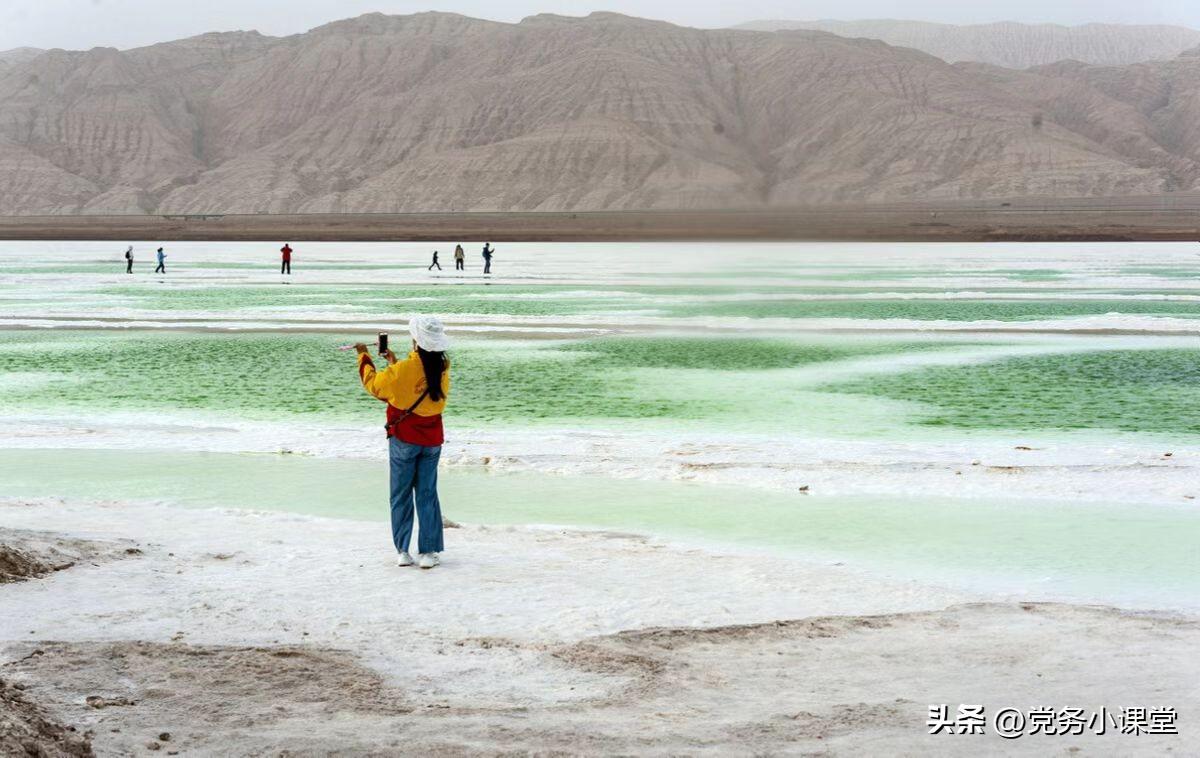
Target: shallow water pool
[(1134, 556)]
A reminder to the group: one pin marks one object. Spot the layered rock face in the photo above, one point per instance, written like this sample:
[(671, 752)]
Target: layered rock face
[(19, 55), (1013, 45), (437, 112)]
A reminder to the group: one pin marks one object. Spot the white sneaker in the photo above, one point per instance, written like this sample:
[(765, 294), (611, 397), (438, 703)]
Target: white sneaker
[(404, 559), (428, 560)]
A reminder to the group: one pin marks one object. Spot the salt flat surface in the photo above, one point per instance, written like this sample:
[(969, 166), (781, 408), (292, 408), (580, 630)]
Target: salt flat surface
[(949, 307), (238, 633), (74, 281), (978, 429), (333, 582)]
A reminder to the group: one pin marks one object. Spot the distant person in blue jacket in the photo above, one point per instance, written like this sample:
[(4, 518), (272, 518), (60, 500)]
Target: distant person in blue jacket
[(487, 257), (161, 268)]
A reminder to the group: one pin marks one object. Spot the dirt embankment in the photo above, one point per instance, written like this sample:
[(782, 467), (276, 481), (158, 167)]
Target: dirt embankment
[(818, 685), (17, 565), (1092, 219), (25, 729), (32, 555)]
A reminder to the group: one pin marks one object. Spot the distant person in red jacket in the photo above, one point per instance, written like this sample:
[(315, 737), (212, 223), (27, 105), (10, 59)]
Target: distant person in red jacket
[(286, 266)]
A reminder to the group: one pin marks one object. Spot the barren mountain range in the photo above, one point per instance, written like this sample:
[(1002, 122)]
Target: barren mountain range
[(19, 55), (1010, 44), (438, 112)]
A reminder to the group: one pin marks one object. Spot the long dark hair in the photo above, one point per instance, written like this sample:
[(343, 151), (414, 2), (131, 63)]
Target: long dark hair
[(434, 365)]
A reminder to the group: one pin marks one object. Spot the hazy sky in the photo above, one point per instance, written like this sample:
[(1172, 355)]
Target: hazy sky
[(81, 24)]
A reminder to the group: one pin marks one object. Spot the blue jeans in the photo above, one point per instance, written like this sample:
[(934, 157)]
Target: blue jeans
[(414, 477)]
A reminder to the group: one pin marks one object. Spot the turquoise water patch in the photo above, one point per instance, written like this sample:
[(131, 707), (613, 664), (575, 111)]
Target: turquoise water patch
[(222, 299), (736, 299), (503, 306), (1166, 272), (868, 273), (257, 376), (682, 379), (268, 376), (848, 272), (383, 300), (1027, 274), (729, 354), (1127, 390), (1130, 554), (936, 310), (66, 268)]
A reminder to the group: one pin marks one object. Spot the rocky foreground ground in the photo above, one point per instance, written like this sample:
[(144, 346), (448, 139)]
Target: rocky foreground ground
[(235, 633)]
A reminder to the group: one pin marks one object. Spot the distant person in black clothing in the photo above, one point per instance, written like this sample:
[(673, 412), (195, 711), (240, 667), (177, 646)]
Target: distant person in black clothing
[(487, 257), (129, 260), (161, 268), (435, 263)]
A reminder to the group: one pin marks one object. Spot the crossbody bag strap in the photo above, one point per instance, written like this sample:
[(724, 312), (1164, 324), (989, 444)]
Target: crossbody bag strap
[(388, 426), (420, 400)]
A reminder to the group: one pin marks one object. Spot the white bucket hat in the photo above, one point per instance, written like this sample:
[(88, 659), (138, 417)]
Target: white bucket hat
[(429, 333)]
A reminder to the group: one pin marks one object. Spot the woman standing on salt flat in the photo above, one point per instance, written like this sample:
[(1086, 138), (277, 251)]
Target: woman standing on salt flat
[(415, 390)]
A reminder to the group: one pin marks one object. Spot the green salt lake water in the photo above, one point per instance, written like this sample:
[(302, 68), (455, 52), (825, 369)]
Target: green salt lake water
[(1143, 555), (666, 302), (704, 382), (268, 376), (1131, 390), (938, 310), (703, 340)]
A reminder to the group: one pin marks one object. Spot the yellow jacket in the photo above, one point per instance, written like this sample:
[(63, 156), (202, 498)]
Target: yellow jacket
[(401, 383)]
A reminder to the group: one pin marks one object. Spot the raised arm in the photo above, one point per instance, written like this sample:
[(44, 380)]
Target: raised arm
[(372, 381)]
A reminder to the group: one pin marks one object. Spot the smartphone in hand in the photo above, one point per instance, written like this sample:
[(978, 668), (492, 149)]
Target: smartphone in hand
[(383, 343)]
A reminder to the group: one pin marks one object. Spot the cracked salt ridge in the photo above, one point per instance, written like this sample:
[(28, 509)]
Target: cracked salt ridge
[(1078, 471), (1115, 324)]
